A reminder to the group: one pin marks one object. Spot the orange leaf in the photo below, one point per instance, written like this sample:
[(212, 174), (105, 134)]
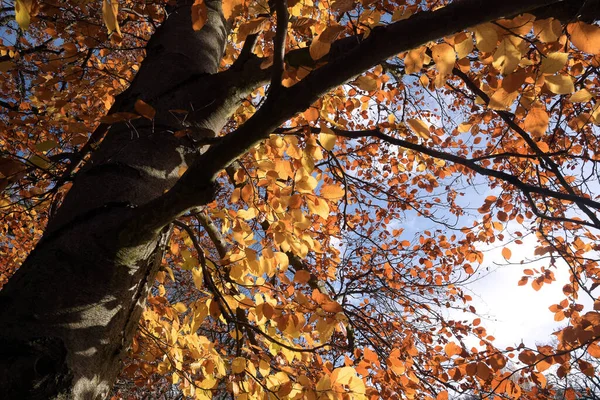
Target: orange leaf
[(332, 192), (302, 276), (527, 357), (444, 57), (585, 37), (144, 109), (506, 253), (536, 122), (452, 349), (199, 14)]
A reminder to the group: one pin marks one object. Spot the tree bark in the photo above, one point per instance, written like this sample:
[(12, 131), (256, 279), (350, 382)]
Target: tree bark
[(70, 311)]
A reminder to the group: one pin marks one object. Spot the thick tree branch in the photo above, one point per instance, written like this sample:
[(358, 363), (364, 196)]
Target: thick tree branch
[(196, 185)]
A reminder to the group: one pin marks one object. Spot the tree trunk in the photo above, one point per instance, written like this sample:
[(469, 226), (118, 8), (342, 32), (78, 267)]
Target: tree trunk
[(70, 311)]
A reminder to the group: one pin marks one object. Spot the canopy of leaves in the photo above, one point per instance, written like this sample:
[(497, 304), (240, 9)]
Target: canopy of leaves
[(326, 266)]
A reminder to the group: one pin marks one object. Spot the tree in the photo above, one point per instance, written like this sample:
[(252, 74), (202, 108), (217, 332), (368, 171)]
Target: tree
[(254, 169)]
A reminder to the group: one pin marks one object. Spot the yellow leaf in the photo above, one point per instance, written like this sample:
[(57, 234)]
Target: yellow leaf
[(420, 128), (327, 138), (553, 62), (180, 307), (238, 365), (366, 83), (560, 84), (581, 96), (444, 57), (585, 37), (502, 100), (22, 13), (248, 28), (199, 14), (321, 44), (506, 253), (306, 184), (463, 44), (110, 9), (342, 375), (536, 121), (144, 109), (414, 59), (507, 56), (547, 30), (318, 206), (486, 37), (332, 192)]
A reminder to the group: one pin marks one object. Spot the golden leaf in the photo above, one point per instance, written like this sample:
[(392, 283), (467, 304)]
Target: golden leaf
[(507, 56), (560, 84), (585, 37), (486, 37), (414, 59), (332, 192), (581, 96), (420, 128), (23, 13), (238, 365), (463, 44), (502, 100), (547, 30), (327, 138), (110, 9), (444, 57), (367, 83), (321, 44), (553, 62), (506, 253)]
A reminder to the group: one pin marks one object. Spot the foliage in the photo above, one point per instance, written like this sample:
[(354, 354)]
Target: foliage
[(327, 263)]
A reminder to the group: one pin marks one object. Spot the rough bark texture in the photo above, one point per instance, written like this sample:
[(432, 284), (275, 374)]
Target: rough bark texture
[(71, 310)]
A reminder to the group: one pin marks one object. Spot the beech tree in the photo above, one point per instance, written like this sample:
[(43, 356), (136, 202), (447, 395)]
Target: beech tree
[(237, 180)]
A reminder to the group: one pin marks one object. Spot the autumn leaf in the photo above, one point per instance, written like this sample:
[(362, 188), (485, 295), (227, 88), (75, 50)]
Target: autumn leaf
[(23, 13), (585, 37), (321, 44), (506, 253), (332, 192), (553, 62), (486, 37), (144, 109), (452, 349), (536, 121), (581, 96), (444, 57), (199, 14), (327, 138), (419, 127), (110, 9), (560, 84), (366, 82)]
